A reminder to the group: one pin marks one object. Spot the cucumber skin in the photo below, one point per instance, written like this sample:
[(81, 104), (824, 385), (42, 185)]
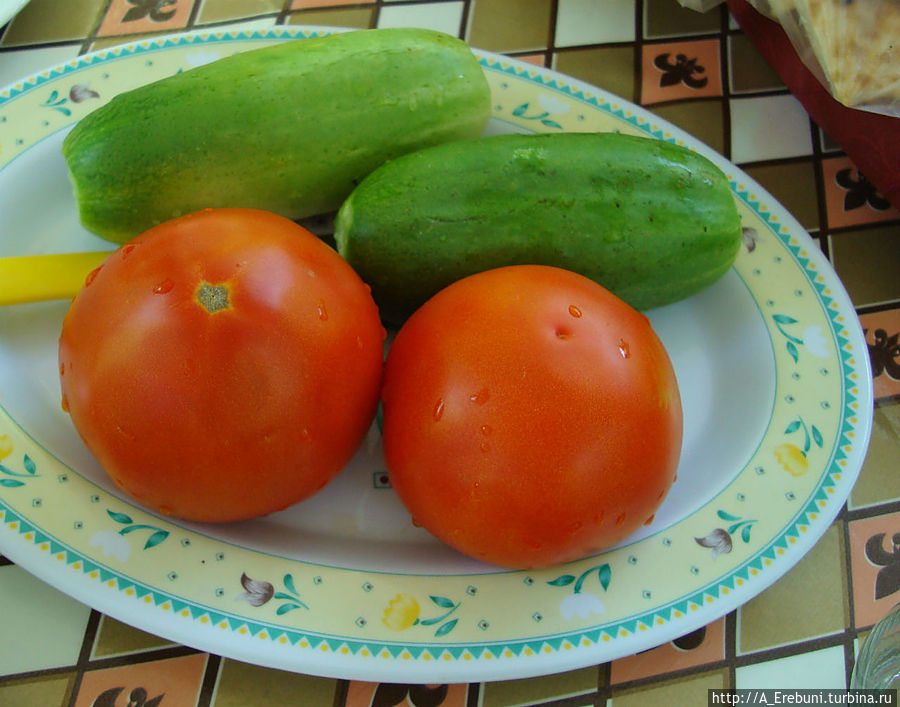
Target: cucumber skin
[(651, 221), (291, 128)]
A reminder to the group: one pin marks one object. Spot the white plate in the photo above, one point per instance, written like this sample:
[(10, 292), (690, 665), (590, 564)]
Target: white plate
[(778, 404)]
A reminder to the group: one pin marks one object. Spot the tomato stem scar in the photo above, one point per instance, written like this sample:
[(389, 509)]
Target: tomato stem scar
[(213, 298)]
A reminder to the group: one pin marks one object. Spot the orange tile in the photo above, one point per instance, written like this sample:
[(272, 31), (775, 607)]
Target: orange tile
[(179, 679), (678, 70), (536, 59), (883, 339), (850, 199), (705, 645), (875, 566), (141, 16), (364, 694)]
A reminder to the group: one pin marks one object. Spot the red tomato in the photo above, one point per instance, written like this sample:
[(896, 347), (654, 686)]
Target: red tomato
[(530, 417), (222, 365)]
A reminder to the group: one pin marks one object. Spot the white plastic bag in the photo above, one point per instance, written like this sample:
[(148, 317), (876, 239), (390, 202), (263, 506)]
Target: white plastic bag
[(851, 46)]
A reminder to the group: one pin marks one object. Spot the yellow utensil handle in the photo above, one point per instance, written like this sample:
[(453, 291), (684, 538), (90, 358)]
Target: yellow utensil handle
[(35, 278)]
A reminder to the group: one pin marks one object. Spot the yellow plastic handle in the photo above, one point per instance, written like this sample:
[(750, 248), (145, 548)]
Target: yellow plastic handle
[(35, 278)]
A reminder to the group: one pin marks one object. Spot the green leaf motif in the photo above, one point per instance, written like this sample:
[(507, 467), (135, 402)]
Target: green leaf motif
[(30, 466), (792, 350), (156, 538), (521, 110), (745, 533), (446, 628), (793, 427), (119, 517), (289, 583), (605, 574), (562, 580), (284, 608), (784, 319), (817, 436), (11, 483), (724, 515), (442, 602), (551, 123)]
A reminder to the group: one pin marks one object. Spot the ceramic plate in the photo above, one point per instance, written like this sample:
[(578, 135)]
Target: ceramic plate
[(776, 387)]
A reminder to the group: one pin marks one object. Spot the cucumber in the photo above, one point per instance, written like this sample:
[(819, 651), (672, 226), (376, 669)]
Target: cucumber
[(289, 128), (649, 220)]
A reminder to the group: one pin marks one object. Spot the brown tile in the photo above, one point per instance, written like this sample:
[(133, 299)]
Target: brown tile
[(51, 21), (878, 480), (213, 11), (609, 68), (689, 690), (668, 18), (116, 638), (359, 18), (44, 690), (242, 684), (705, 645), (532, 690), (866, 262), (179, 679), (702, 119), (124, 17), (510, 25), (788, 611), (366, 694), (874, 561), (850, 198), (793, 184), (749, 71)]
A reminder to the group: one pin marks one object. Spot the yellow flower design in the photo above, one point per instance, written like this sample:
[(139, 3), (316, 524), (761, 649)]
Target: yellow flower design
[(401, 613), (792, 458), (6, 446)]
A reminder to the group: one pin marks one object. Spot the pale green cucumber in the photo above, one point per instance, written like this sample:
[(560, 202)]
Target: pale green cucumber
[(289, 128), (651, 221)]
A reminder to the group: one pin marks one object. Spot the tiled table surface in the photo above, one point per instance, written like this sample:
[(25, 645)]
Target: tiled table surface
[(802, 632)]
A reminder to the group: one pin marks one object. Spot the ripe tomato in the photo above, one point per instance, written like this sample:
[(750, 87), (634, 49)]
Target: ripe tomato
[(530, 417), (222, 365)]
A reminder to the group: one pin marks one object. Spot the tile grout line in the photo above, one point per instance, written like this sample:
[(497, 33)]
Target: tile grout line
[(84, 655)]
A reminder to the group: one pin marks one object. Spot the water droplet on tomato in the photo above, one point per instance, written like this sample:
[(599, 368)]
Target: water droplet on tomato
[(163, 287), (624, 348), (598, 517), (321, 311), (416, 522), (305, 435), (438, 412), (486, 430), (481, 397), (650, 519), (165, 510), (574, 311), (127, 250), (621, 519), (64, 403), (485, 447), (62, 368)]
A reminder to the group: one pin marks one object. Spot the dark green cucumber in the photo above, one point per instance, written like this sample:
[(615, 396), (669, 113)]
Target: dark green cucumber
[(651, 221), (289, 128)]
